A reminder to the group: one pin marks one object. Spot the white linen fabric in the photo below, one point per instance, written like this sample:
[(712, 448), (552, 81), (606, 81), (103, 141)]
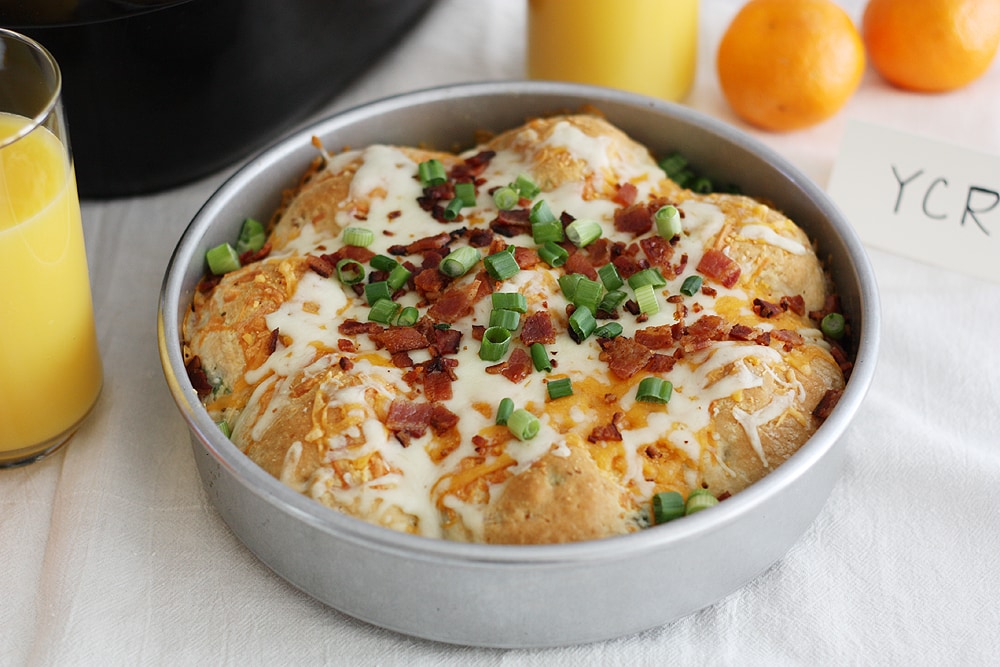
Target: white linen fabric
[(113, 555)]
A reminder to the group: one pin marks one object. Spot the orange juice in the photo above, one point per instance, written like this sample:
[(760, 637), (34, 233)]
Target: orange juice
[(643, 46), (50, 369)]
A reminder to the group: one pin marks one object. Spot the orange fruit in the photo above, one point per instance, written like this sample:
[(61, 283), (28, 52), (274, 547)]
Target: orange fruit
[(789, 64), (931, 45)]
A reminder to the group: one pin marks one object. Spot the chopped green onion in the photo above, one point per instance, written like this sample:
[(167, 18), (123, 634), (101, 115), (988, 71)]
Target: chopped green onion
[(612, 300), (540, 213), (505, 198), (833, 325), (510, 301), (645, 296), (504, 410), (398, 277), (673, 164), (222, 259), (350, 272), (608, 330), (583, 232), (540, 357), (453, 208), (702, 185), (523, 424), (654, 390), (581, 324), (699, 499), (383, 263), (667, 506), (501, 265), (431, 173), (459, 261), (560, 388), (683, 177), (495, 342), (252, 237), (526, 187), (691, 285), (508, 319), (588, 294), (568, 283), (408, 317), (651, 276), (668, 222), (543, 232), (377, 291), (383, 311), (466, 192), (358, 236), (553, 254), (610, 277), (224, 427)]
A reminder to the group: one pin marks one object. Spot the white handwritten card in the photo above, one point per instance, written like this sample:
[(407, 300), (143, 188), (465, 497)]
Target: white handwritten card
[(924, 199)]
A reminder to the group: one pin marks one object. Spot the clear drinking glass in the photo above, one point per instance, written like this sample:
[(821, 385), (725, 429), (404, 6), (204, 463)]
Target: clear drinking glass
[(50, 366)]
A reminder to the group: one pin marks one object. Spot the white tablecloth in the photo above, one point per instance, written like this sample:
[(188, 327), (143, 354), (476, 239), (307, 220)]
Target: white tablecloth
[(112, 555)]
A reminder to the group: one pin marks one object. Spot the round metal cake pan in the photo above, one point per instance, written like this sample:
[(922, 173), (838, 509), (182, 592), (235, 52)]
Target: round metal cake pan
[(521, 596)]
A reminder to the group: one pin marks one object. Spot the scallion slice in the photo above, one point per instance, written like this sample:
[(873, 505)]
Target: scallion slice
[(224, 427), (691, 285), (673, 164), (466, 192), (222, 259), (361, 237), (431, 172), (581, 324), (568, 283), (553, 254), (505, 198), (495, 342), (545, 232), (583, 232), (383, 311), (540, 357), (252, 237), (650, 276), (453, 208), (398, 277), (510, 301), (588, 294), (698, 500), (645, 296), (508, 319), (833, 325), (408, 317), (702, 185), (459, 261), (668, 221), (667, 506), (526, 187), (504, 410), (377, 291), (523, 424), (612, 300), (560, 388), (610, 277), (609, 330), (654, 390), (383, 263), (350, 272), (540, 212), (501, 265)]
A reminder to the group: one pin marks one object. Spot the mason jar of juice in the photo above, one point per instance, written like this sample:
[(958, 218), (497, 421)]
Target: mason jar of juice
[(50, 367), (643, 46)]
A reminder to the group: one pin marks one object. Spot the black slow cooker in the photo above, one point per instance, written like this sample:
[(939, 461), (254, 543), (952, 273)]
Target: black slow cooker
[(160, 92)]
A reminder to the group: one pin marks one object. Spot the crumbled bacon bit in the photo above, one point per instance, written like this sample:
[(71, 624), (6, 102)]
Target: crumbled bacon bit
[(526, 258), (321, 265), (636, 219), (795, 303), (658, 250), (827, 403), (345, 364), (626, 194), (272, 343), (512, 222), (788, 337), (198, 377), (537, 328), (578, 263), (354, 328), (251, 256), (517, 366), (766, 309), (625, 356), (605, 432), (454, 303), (346, 345), (400, 339), (656, 338), (660, 363), (480, 238), (717, 265)]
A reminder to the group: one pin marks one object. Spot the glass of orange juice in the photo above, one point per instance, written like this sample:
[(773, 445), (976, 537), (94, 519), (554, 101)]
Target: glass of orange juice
[(50, 366), (642, 46)]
